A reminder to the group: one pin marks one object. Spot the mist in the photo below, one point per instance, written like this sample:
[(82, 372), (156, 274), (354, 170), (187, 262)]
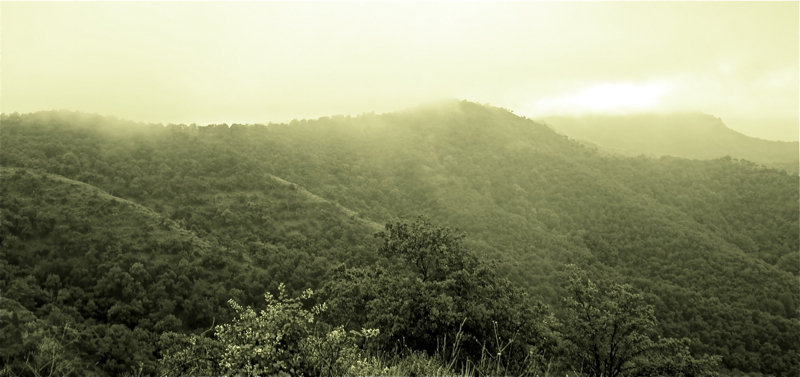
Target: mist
[(259, 62), (399, 189)]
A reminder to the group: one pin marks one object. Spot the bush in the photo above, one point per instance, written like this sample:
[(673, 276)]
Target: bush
[(282, 339), (435, 290)]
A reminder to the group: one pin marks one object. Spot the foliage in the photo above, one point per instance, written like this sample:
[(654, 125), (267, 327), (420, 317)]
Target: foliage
[(102, 262), (135, 230), (440, 289), (267, 342), (189, 355), (281, 339), (37, 348), (432, 252), (610, 334)]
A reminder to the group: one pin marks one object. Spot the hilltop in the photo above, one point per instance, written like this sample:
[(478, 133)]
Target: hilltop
[(689, 135)]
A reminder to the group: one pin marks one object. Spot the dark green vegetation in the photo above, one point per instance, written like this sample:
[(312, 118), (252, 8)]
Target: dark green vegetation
[(693, 136), (123, 242)]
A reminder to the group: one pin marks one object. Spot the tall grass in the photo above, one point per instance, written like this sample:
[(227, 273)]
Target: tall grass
[(448, 360)]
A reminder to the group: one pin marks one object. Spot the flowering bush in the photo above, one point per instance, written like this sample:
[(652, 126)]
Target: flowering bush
[(279, 340), (335, 352), (268, 342)]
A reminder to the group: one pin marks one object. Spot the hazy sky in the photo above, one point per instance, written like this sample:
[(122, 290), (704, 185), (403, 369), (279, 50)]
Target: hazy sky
[(233, 62)]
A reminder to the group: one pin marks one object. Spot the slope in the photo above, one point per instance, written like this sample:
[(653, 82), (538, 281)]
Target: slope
[(527, 195), (100, 278), (713, 243), (693, 136)]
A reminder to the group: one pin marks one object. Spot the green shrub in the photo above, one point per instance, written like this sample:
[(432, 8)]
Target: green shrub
[(282, 339)]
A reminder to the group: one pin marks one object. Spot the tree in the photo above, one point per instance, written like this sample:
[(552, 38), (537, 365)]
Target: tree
[(438, 290), (433, 252), (610, 333)]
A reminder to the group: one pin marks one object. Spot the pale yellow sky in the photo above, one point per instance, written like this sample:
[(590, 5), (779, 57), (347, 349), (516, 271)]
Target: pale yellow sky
[(214, 62)]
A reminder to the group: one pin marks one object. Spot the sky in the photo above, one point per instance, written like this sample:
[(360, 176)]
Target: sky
[(254, 62)]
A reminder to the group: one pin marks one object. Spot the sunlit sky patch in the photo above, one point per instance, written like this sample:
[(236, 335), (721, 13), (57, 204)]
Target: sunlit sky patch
[(606, 98)]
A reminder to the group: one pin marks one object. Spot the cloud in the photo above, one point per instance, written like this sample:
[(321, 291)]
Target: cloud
[(612, 97)]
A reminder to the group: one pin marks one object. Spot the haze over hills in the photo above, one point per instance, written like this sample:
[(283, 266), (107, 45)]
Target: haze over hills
[(365, 231), (694, 136), (712, 244)]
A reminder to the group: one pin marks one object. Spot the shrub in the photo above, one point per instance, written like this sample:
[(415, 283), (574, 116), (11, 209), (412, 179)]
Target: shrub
[(282, 339)]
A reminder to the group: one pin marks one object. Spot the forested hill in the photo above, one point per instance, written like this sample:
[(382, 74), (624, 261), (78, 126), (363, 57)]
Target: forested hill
[(693, 136), (712, 244)]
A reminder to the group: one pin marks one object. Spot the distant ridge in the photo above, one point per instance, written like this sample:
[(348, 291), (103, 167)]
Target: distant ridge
[(688, 135)]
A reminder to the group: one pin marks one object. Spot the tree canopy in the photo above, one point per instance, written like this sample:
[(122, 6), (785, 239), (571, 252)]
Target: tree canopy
[(122, 232)]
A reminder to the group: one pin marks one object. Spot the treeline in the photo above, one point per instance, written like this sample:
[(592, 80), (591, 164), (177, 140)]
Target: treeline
[(711, 244)]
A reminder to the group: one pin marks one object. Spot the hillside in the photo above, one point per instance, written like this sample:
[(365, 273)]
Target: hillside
[(693, 136), (712, 244), (110, 275)]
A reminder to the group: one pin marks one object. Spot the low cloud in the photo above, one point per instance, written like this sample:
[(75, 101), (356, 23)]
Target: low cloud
[(619, 97)]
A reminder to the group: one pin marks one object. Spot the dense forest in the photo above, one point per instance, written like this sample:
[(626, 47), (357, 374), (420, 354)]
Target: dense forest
[(688, 135), (451, 238)]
